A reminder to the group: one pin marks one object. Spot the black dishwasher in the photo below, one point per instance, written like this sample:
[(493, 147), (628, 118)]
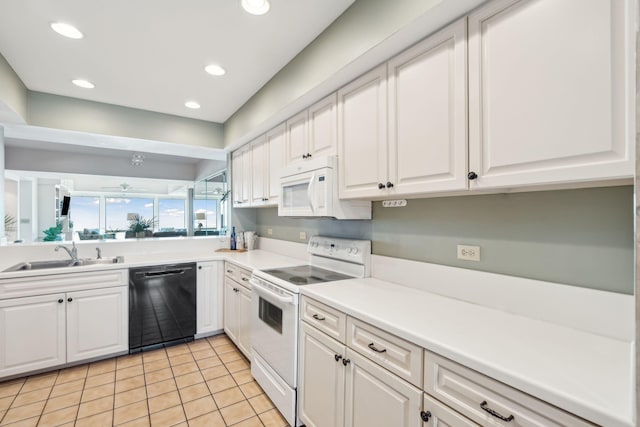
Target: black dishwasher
[(162, 306)]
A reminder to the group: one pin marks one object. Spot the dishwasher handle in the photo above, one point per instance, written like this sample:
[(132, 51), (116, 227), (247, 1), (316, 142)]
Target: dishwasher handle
[(160, 273)]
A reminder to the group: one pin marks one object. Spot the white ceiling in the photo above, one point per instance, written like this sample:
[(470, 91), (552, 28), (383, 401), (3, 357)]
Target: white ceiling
[(151, 54)]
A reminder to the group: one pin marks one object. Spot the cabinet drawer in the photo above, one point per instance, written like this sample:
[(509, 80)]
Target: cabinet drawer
[(329, 320), (477, 396), (397, 355), (236, 273), (441, 415)]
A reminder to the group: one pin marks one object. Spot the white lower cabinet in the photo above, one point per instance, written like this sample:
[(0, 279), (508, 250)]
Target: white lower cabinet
[(51, 330), (97, 323), (208, 298), (321, 379), (376, 397), (237, 307), (339, 387), (32, 333)]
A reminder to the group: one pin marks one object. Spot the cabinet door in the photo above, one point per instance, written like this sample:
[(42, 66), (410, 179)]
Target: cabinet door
[(244, 320), (231, 309), (236, 178), (362, 135), (321, 384), (441, 415), (297, 137), (375, 397), (259, 172), (276, 154), (323, 127), (247, 173), (32, 333), (208, 293), (428, 114), (97, 322), (550, 93)]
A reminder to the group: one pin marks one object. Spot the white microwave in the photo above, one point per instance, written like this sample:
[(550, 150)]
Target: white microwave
[(310, 189)]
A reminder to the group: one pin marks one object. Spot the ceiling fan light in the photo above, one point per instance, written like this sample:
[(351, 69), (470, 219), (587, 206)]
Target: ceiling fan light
[(66, 30), (256, 7)]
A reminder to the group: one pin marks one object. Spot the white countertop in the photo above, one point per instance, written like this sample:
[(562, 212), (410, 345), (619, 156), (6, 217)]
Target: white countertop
[(585, 374)]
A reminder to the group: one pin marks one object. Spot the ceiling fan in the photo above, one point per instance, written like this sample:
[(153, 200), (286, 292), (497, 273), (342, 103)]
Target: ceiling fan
[(124, 187)]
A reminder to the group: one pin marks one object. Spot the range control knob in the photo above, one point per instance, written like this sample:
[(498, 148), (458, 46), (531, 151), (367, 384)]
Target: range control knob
[(352, 251)]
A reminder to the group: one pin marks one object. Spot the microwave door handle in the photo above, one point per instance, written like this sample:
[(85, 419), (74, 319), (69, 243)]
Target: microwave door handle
[(310, 193)]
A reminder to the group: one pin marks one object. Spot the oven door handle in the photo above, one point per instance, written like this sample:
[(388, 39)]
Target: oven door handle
[(256, 286)]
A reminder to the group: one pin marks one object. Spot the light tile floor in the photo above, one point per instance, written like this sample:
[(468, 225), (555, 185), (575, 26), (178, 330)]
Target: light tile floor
[(203, 383)]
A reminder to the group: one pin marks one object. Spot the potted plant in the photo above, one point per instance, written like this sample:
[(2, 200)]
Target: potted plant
[(139, 225), (9, 223)]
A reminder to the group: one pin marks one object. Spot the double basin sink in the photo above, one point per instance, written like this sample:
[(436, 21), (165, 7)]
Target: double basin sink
[(39, 265)]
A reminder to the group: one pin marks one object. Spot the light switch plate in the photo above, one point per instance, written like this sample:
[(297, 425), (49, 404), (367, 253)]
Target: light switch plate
[(269, 231), (303, 235)]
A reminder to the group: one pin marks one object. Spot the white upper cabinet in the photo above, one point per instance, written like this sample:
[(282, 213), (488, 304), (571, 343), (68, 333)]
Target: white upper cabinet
[(323, 129), (312, 132), (362, 135), (259, 172), (428, 114), (268, 160), (241, 176), (550, 92), (297, 134)]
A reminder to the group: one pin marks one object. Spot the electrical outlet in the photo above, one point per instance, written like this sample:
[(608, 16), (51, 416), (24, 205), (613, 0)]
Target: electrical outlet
[(269, 231), (469, 253), (303, 235), (394, 203)]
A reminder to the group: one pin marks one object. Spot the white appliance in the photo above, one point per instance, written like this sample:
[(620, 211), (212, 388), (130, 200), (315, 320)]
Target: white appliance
[(275, 316), (310, 188)]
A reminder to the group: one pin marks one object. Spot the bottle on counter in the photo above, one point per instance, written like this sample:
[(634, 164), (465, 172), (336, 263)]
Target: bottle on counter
[(233, 238)]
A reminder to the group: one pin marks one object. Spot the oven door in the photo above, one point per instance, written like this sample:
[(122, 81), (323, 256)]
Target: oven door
[(274, 328)]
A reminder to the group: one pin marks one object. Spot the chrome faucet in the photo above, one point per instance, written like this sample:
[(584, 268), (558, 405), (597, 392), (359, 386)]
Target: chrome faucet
[(73, 253)]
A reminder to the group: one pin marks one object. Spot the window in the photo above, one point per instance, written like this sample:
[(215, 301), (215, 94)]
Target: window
[(84, 211), (117, 209), (171, 214), (208, 207)]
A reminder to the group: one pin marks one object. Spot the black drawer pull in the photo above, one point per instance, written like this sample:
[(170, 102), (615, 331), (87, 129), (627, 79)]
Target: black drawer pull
[(337, 357), (60, 301), (372, 347), (69, 299), (345, 362), (315, 316), (484, 406), (244, 279), (229, 271)]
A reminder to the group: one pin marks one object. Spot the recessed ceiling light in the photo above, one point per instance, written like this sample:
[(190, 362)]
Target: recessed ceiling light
[(83, 83), (215, 70), (256, 7), (66, 30), (192, 104)]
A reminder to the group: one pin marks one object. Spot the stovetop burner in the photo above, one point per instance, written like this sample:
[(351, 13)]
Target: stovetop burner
[(306, 275)]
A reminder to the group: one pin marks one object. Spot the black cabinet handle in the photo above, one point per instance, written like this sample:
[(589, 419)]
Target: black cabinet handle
[(315, 316), (345, 362), (472, 175), (372, 347), (304, 156), (425, 416), (337, 357), (308, 155), (229, 271), (381, 186), (60, 301), (69, 299), (199, 267), (389, 184), (486, 408)]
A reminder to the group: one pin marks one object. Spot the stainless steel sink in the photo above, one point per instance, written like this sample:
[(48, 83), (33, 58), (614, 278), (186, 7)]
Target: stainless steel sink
[(39, 265)]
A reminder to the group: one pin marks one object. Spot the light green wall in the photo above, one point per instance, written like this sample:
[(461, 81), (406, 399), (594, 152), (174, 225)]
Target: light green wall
[(62, 112), (12, 91), (361, 27), (579, 237)]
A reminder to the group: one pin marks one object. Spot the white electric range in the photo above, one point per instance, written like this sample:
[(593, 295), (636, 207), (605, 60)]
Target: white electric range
[(275, 316)]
